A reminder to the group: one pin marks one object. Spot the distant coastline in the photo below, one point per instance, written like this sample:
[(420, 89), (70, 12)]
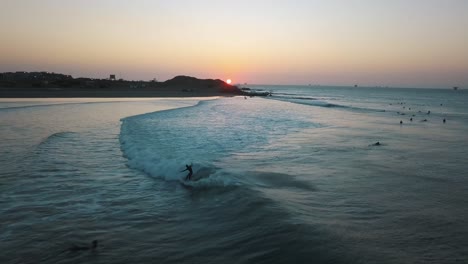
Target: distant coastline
[(55, 85)]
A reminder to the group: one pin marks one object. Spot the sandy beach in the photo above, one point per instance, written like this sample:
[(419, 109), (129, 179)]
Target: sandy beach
[(31, 92)]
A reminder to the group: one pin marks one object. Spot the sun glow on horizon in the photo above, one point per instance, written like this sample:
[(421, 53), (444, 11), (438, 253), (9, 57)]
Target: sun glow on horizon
[(291, 42)]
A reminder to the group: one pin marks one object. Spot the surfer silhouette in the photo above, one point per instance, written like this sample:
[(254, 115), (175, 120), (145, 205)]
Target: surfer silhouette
[(189, 169)]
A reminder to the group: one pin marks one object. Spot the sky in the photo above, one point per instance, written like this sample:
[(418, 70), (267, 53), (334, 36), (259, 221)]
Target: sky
[(403, 43)]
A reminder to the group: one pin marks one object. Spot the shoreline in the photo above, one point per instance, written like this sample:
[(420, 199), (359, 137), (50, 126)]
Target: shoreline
[(17, 92)]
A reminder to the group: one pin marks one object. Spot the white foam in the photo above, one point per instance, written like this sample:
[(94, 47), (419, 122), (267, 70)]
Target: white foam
[(152, 148), (161, 144)]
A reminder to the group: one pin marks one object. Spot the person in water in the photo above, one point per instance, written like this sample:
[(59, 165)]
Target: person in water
[(81, 248), (189, 169)]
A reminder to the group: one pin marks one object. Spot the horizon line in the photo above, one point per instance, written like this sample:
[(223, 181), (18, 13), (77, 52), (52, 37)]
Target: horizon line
[(256, 84)]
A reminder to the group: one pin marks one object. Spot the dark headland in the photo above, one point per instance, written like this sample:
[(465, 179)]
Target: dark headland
[(54, 85)]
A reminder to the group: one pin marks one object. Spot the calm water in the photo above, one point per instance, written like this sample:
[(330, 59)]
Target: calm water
[(292, 178)]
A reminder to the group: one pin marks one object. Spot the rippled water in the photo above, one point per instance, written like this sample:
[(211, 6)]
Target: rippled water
[(289, 179)]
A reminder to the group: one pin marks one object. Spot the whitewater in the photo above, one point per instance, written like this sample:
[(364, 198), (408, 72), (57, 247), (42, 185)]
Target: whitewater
[(295, 177)]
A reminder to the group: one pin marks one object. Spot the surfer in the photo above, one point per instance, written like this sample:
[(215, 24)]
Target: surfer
[(189, 169)]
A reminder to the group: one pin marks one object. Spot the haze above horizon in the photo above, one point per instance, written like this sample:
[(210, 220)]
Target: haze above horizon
[(385, 43)]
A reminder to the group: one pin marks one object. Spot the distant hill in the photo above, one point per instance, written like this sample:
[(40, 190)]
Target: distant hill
[(188, 83)]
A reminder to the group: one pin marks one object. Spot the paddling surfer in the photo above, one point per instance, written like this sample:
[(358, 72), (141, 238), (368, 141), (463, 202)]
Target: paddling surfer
[(76, 248), (189, 169)]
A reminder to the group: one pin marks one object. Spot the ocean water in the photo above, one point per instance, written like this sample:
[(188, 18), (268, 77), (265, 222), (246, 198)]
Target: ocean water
[(291, 178)]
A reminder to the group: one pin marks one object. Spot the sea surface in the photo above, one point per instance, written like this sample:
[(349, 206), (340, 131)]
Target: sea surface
[(296, 177)]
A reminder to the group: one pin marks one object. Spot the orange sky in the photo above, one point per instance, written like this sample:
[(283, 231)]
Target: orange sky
[(375, 42)]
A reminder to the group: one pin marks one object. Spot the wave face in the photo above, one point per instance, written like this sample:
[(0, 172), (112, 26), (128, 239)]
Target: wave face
[(235, 207), (321, 102), (161, 143)]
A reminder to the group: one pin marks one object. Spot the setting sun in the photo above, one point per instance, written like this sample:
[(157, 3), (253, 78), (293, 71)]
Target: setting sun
[(228, 81)]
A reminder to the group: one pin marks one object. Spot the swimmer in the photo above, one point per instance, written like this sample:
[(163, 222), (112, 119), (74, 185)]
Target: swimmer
[(401, 122), (411, 119), (376, 143), (444, 120)]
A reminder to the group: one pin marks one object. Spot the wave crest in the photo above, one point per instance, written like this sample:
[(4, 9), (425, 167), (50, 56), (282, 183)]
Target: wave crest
[(320, 103)]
